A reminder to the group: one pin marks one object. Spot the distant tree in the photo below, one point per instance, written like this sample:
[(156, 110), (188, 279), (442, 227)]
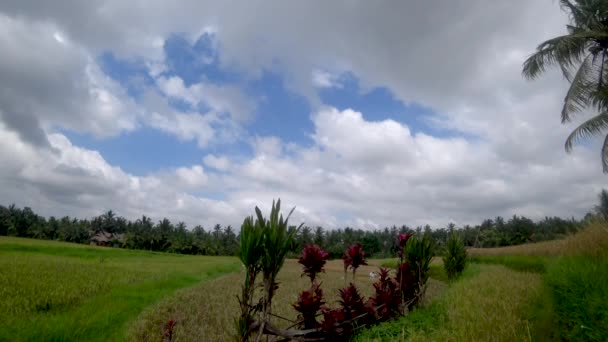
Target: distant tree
[(582, 56), (601, 208)]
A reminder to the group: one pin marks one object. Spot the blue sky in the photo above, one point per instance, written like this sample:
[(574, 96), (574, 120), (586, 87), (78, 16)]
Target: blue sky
[(279, 111)]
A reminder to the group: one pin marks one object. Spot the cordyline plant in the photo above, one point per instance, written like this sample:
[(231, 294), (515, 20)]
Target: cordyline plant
[(264, 245), (313, 260), (418, 253), (277, 241), (387, 297), (250, 252), (308, 305), (402, 243), (353, 258)]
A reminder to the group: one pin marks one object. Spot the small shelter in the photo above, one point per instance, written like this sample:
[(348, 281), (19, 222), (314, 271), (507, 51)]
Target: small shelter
[(103, 238)]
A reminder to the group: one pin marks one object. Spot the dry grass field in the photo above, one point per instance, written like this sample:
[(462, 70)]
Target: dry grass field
[(206, 312)]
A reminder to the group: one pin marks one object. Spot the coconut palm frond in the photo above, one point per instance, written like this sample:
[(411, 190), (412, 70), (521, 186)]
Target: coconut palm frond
[(566, 51), (587, 129), (605, 155), (578, 95)]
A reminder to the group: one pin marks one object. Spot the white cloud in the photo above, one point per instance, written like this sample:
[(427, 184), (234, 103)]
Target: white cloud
[(509, 158), (220, 99), (325, 79), (50, 81), (193, 177), (218, 163)]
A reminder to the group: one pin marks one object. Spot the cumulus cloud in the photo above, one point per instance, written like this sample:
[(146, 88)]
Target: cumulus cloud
[(220, 99), (218, 163), (50, 81), (503, 154)]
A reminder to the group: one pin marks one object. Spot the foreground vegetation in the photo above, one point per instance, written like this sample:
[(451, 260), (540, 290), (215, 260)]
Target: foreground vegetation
[(543, 292), (68, 292), (487, 304), (61, 291)]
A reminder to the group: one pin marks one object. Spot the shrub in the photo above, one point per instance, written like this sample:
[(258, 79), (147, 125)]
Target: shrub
[(418, 254), (387, 297), (308, 305), (402, 243), (455, 257), (353, 258), (313, 259)]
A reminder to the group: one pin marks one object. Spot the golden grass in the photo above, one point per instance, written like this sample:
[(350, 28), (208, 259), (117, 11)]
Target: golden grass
[(593, 240), (206, 311)]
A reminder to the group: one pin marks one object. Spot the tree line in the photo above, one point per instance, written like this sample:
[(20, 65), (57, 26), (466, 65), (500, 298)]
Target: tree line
[(166, 236)]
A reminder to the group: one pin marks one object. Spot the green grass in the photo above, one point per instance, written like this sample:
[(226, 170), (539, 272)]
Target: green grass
[(522, 263), (488, 302), (579, 292), (66, 292), (572, 305)]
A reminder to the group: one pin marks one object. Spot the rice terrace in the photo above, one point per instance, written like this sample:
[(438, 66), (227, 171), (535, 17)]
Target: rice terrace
[(540, 291), (270, 171)]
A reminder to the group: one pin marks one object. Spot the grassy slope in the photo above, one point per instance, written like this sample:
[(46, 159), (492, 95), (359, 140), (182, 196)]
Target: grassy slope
[(487, 303), (568, 304), (61, 291)]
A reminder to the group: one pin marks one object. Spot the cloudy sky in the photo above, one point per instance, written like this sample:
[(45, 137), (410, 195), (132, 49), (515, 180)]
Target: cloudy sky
[(360, 113)]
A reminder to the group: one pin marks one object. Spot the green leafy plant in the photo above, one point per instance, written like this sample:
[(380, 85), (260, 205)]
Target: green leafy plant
[(250, 253), (419, 252), (277, 240), (455, 257)]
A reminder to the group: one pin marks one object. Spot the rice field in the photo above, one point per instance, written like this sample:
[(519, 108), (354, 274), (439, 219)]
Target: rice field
[(66, 292), (61, 291), (203, 315)]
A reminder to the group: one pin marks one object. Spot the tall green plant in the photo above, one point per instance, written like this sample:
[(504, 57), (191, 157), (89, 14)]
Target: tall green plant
[(455, 257), (277, 242), (419, 252), (250, 252)]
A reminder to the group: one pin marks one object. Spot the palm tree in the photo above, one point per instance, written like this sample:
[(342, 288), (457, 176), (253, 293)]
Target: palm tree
[(582, 55)]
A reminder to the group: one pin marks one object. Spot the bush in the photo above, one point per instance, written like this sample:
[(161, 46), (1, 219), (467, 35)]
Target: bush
[(455, 257), (418, 254)]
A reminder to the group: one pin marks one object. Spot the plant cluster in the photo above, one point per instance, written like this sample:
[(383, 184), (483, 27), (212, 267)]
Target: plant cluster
[(394, 293), (264, 246), (455, 257), (313, 259)]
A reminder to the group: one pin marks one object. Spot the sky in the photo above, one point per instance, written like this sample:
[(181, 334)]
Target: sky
[(358, 113)]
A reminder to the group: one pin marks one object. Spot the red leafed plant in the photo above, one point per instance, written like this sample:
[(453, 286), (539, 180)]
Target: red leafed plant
[(402, 243), (387, 297), (353, 305), (407, 283), (332, 325), (356, 255), (308, 305), (168, 329), (313, 260), (353, 258)]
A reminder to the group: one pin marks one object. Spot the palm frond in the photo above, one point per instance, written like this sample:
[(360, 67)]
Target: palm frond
[(605, 155), (579, 94), (587, 129), (566, 51)]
